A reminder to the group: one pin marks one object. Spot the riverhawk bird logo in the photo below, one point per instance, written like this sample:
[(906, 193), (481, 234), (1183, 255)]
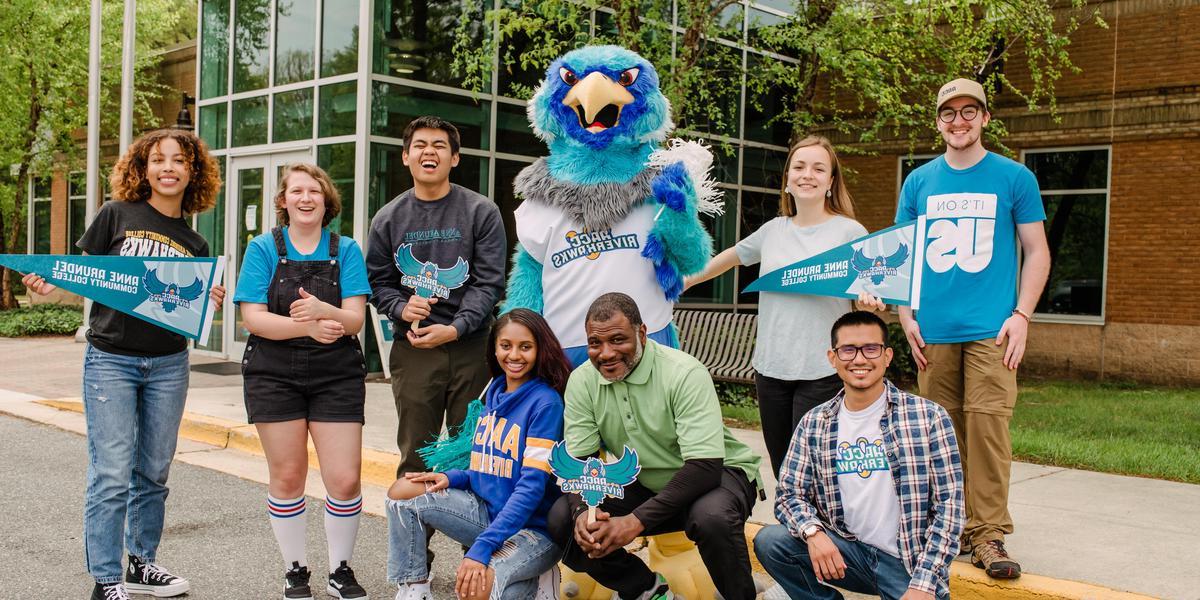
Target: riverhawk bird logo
[(170, 295), (592, 478), (880, 266), (426, 278)]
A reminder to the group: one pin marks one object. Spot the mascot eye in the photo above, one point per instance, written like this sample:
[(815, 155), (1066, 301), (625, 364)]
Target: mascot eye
[(629, 76), (567, 76)]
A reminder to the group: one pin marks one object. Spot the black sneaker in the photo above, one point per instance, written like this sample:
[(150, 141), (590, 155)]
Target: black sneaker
[(110, 591), (342, 584), (295, 585), (149, 578), (660, 590)]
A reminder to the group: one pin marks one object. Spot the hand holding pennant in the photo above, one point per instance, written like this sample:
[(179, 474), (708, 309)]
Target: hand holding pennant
[(428, 281), (886, 263), (170, 292), (591, 478)]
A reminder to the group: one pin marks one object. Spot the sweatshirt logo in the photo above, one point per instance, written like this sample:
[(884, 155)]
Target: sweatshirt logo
[(426, 278)]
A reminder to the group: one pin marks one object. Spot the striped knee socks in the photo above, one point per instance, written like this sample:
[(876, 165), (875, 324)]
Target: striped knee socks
[(287, 521), (341, 528)]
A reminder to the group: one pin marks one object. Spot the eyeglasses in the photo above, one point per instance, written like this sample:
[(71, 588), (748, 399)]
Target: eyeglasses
[(968, 112), (847, 353)]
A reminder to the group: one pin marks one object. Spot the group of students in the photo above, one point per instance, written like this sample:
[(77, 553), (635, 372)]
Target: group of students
[(871, 478)]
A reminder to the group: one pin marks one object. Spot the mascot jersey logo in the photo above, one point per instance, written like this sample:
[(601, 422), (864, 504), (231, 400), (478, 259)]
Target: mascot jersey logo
[(879, 267), (170, 295), (860, 458), (426, 278), (592, 478), (592, 244)]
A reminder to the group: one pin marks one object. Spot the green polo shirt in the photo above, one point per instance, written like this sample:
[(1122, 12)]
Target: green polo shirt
[(666, 410)]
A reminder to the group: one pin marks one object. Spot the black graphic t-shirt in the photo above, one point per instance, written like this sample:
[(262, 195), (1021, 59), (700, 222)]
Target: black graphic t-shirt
[(136, 229)]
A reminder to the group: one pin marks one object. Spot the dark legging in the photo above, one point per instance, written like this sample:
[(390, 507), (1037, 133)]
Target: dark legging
[(781, 403)]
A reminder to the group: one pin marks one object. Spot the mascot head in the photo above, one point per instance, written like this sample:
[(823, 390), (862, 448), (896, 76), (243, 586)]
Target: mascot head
[(600, 97)]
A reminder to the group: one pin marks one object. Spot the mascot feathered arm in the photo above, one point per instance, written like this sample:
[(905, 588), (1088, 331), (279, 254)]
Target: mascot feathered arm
[(524, 283), (679, 245)]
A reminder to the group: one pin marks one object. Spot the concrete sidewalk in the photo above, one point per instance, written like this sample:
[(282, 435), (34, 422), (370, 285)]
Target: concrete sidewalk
[(1109, 533)]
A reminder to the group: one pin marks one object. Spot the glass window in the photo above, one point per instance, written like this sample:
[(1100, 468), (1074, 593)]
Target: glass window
[(211, 225), (295, 40), (757, 208), (76, 210), (293, 115), (338, 162), (251, 34), (725, 162), (390, 177), (517, 80), (506, 199), (214, 125), (759, 124), (395, 106), (715, 109), (1076, 228), (41, 215), (250, 121), (788, 6), (759, 21), (339, 37), (763, 168), (339, 102), (908, 164), (414, 39), (513, 134), (214, 48)]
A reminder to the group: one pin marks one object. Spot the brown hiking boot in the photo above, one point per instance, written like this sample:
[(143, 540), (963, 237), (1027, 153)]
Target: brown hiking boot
[(994, 560)]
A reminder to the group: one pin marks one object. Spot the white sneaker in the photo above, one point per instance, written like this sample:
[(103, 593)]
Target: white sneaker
[(775, 593), (415, 591)]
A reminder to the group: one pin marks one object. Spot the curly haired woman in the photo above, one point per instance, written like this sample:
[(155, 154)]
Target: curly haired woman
[(135, 374)]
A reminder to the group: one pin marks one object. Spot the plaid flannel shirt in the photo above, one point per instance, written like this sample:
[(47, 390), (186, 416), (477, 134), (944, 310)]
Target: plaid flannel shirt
[(923, 455)]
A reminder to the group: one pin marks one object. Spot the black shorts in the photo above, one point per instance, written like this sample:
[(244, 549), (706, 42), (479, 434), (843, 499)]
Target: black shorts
[(304, 379)]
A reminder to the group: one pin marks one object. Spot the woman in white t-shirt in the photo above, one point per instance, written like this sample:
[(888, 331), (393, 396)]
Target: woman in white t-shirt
[(816, 213)]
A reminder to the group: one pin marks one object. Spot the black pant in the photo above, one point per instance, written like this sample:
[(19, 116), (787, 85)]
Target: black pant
[(781, 404), (715, 522)]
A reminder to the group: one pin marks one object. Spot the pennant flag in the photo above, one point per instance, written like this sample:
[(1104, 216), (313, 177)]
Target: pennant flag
[(167, 291), (880, 264)]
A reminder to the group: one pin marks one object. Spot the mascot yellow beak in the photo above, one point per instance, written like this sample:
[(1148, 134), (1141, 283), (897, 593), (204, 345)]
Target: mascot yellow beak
[(598, 101)]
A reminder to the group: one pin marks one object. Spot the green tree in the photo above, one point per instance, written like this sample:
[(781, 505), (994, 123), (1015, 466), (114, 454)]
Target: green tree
[(863, 68), (43, 92)]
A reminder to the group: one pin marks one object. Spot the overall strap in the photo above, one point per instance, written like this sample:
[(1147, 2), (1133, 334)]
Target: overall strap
[(334, 242), (280, 246)]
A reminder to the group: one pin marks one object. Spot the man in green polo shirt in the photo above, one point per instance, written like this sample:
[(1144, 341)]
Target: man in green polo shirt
[(695, 476)]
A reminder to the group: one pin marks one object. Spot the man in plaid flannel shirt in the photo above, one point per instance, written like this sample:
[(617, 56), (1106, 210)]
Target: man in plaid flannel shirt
[(870, 496)]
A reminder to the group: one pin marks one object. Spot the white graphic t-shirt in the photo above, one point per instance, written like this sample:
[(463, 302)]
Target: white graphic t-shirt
[(864, 477), (579, 266)]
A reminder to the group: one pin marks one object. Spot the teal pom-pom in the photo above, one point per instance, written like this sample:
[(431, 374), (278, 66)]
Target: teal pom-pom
[(453, 451)]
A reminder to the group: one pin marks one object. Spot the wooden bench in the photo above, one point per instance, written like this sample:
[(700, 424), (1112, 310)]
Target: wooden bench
[(723, 341)]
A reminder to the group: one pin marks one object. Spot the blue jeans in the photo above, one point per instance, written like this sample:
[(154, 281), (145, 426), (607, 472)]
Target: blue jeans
[(868, 569), (133, 406), (462, 516)]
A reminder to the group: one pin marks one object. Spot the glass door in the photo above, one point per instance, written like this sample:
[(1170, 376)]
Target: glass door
[(252, 183)]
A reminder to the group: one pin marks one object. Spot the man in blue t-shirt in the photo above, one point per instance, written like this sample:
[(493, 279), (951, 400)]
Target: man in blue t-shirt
[(968, 336)]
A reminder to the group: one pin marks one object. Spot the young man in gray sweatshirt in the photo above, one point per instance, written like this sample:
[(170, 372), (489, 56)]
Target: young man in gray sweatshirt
[(435, 260)]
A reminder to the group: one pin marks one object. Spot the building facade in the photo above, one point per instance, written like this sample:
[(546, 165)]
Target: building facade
[(284, 80)]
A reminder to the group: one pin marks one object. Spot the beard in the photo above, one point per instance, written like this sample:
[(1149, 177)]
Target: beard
[(630, 364)]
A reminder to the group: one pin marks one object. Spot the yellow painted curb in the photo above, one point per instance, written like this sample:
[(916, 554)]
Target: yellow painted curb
[(379, 468)]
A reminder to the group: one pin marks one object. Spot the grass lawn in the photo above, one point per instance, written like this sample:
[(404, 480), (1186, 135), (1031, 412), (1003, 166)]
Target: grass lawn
[(1114, 428), (1123, 428)]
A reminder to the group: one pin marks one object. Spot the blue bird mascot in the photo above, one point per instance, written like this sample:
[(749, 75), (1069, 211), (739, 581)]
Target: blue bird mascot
[(610, 209)]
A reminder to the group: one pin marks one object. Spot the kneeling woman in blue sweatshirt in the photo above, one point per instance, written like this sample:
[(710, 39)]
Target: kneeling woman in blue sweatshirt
[(498, 506)]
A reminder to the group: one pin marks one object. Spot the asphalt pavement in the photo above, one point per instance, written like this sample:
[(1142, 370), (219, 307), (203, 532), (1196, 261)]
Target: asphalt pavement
[(216, 535)]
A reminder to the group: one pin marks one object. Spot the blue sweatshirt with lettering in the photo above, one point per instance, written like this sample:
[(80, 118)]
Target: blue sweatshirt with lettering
[(510, 461)]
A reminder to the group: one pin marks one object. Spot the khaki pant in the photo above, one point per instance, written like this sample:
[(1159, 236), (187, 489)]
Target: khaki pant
[(970, 381), (433, 384)]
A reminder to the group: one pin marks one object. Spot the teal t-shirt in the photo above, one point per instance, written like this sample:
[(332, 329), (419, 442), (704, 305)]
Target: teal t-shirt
[(969, 277), (258, 266)]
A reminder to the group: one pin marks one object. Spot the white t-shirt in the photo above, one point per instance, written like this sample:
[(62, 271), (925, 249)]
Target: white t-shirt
[(793, 329), (864, 478), (579, 266)]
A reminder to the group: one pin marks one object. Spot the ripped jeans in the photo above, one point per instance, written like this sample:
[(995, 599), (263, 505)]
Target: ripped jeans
[(462, 516)]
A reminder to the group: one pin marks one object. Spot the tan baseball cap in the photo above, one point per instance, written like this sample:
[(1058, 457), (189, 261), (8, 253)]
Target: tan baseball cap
[(961, 87)]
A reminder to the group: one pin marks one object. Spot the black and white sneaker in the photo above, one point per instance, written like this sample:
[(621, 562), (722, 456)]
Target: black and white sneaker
[(149, 578), (110, 591), (295, 585), (342, 584)]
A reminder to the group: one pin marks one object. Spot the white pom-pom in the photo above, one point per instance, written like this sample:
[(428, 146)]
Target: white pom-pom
[(697, 159)]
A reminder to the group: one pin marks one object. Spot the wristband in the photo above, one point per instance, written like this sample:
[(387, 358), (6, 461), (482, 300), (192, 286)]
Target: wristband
[(1025, 315)]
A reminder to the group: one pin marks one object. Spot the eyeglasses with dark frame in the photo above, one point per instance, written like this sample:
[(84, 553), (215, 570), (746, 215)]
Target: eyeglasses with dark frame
[(847, 353), (968, 112)]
